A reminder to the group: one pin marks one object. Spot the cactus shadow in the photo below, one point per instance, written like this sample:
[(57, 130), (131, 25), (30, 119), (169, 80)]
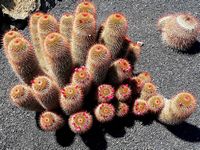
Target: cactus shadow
[(185, 131), (195, 49)]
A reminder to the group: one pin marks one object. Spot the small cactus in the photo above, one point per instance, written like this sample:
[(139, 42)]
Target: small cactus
[(83, 37), (33, 22), (71, 99), (50, 121), (119, 71), (23, 60), (65, 26), (82, 78), (148, 90), (98, 60), (181, 31), (58, 55), (86, 7), (22, 97), (104, 112), (137, 84), (123, 93), (47, 92), (140, 107), (122, 109), (156, 103), (105, 93), (145, 77), (46, 24), (80, 122), (115, 29)]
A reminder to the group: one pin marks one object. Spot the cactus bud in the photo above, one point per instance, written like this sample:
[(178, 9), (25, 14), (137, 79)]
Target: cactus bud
[(65, 26), (23, 60), (71, 99), (47, 92), (148, 91), (83, 37), (115, 29), (156, 103), (22, 96), (98, 60), (122, 109), (104, 112), (123, 93), (58, 56), (140, 107), (82, 78), (50, 121), (105, 93), (80, 122)]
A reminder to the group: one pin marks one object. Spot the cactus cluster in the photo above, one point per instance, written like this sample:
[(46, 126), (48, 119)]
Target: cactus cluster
[(69, 62)]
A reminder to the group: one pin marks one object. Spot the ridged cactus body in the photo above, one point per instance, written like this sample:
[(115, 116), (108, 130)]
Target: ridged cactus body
[(47, 92), (58, 56), (98, 60), (80, 122), (83, 37), (115, 29), (22, 96), (86, 7), (50, 121), (72, 99), (23, 60)]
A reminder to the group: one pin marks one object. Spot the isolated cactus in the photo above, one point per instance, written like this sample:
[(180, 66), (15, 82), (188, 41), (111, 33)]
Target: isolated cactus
[(181, 31), (58, 56), (140, 107), (115, 29), (23, 60), (71, 99), (8, 37), (33, 23), (119, 71), (86, 7), (82, 78), (123, 93), (98, 60), (83, 37), (122, 109), (46, 25), (47, 92), (80, 122), (148, 90), (156, 103), (50, 121), (104, 112), (178, 109), (65, 25), (105, 93), (22, 97)]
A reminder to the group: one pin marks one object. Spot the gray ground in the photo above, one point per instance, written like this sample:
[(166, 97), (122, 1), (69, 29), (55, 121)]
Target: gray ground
[(171, 71)]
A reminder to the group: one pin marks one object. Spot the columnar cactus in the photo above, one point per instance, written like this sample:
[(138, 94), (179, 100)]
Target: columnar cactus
[(115, 29), (46, 24), (98, 60), (137, 84), (86, 7), (80, 122), (105, 93), (148, 91), (140, 107), (180, 31), (47, 92), (177, 109), (58, 56), (71, 99), (122, 109), (83, 37), (82, 78), (104, 112), (65, 26), (22, 96), (23, 60), (123, 93), (156, 103), (50, 121), (145, 77)]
